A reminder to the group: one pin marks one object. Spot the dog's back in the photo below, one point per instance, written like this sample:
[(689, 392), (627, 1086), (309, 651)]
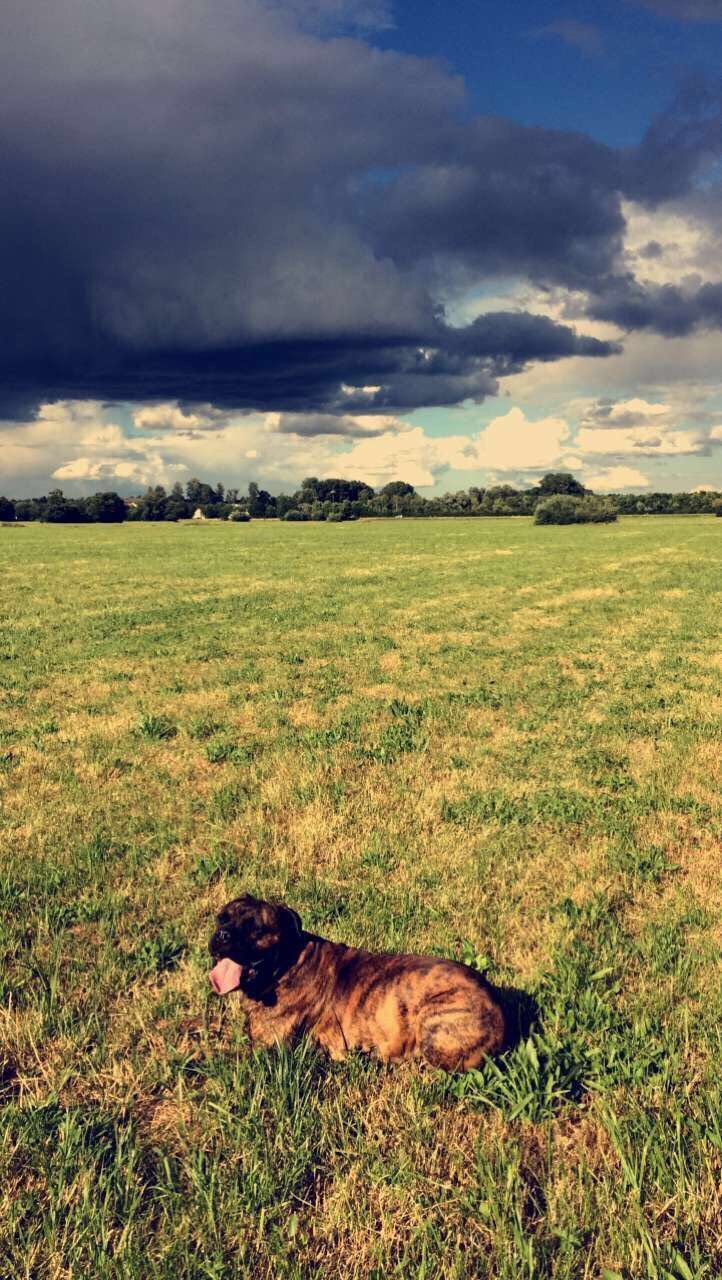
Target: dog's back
[(394, 1005)]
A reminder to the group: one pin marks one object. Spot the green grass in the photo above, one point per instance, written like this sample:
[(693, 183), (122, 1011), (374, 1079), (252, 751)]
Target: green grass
[(475, 738)]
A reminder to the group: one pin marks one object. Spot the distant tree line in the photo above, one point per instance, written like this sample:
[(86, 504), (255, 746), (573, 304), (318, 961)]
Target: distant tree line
[(338, 499), (669, 504), (55, 508)]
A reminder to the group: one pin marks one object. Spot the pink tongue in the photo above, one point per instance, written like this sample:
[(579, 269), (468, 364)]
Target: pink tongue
[(225, 977)]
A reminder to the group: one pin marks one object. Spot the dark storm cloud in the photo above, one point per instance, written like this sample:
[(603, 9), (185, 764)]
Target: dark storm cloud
[(677, 145), (327, 424), (505, 199), (435, 365), (670, 310), (208, 203), (517, 336)]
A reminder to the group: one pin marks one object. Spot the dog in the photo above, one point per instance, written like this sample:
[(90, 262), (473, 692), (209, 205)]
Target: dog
[(393, 1005)]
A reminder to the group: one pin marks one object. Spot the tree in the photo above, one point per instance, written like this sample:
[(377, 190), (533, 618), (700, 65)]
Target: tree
[(259, 502), (28, 509), (153, 504), (61, 510), (217, 510), (177, 506), (397, 489), (561, 482), (7, 509), (284, 503), (105, 508), (399, 497), (335, 489), (200, 494)]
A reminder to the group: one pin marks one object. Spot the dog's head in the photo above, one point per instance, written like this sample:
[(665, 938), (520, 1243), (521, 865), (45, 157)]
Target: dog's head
[(253, 944)]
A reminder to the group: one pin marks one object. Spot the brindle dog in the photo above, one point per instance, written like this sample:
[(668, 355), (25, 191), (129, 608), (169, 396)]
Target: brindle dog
[(397, 1006)]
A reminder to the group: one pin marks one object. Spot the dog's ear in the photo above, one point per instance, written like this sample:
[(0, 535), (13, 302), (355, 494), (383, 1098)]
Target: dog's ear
[(270, 962), (290, 921)]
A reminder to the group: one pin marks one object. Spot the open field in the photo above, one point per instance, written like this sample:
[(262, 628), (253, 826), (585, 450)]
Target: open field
[(476, 738)]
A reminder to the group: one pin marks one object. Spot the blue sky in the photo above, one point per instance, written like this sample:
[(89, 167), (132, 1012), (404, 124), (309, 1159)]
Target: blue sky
[(452, 244), (604, 69)]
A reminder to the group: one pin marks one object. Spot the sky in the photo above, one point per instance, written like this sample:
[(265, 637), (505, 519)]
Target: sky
[(453, 244)]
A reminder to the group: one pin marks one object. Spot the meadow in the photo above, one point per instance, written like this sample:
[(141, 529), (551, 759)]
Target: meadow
[(469, 737)]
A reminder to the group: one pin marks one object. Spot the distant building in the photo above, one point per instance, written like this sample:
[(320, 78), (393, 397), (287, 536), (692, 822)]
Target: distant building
[(198, 514)]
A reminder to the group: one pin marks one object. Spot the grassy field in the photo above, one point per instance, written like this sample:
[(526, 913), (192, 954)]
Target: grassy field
[(475, 738)]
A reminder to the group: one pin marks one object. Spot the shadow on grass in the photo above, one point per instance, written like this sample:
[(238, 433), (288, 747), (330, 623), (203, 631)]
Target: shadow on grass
[(9, 1081), (522, 1014)]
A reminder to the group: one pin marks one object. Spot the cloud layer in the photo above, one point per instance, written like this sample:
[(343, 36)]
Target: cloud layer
[(236, 204), (610, 444)]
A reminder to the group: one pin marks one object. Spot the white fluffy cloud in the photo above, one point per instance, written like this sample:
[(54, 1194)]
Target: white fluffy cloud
[(642, 441), (643, 428), (664, 245), (513, 442), (614, 479), (32, 451), (160, 417), (151, 470), (75, 442), (510, 442), (413, 456), (636, 407)]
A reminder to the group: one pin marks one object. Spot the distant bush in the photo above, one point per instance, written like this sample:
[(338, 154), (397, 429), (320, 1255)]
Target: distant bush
[(293, 514), (597, 510), (562, 509), (566, 509), (239, 517), (717, 507)]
